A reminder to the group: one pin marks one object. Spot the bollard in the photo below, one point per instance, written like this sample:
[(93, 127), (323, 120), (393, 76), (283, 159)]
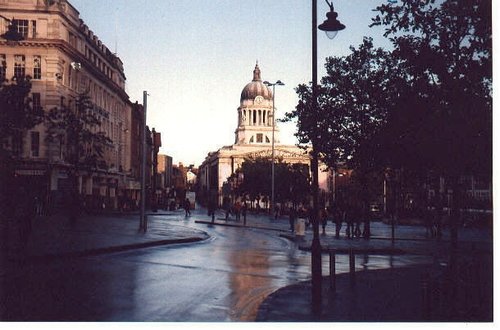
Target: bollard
[(352, 267), (426, 298), (333, 284)]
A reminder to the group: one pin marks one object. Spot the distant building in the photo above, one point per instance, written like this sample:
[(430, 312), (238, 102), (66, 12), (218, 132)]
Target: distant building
[(253, 138), (165, 172)]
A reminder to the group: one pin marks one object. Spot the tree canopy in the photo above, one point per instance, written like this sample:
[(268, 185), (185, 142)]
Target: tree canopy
[(292, 181), (16, 107), (424, 105), (77, 129)]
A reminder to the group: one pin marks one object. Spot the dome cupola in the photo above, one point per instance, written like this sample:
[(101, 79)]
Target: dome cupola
[(256, 88)]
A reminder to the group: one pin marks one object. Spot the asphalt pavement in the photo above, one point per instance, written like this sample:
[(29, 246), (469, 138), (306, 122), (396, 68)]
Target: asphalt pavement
[(419, 293)]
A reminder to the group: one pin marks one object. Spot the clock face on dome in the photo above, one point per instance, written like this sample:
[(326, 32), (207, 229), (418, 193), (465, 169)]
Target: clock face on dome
[(259, 99)]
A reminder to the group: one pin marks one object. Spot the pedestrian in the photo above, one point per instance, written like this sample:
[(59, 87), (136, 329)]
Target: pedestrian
[(226, 204), (244, 209), (291, 218), (211, 208), (323, 217), (428, 222), (237, 210), (357, 219), (187, 207), (38, 206), (309, 214), (276, 211), (337, 218), (366, 227), (350, 223)]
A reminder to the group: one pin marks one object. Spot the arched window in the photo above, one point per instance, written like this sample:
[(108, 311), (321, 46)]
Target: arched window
[(264, 117), (254, 117)]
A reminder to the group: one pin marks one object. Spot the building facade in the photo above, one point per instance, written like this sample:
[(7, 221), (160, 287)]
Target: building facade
[(66, 59), (253, 139)]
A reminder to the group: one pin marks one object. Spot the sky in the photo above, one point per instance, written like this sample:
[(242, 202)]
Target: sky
[(194, 57)]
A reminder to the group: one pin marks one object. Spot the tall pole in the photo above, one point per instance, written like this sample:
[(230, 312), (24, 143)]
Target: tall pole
[(272, 159), (267, 83), (143, 220), (316, 245)]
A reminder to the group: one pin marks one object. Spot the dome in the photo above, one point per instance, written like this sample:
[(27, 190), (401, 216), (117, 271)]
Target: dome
[(256, 88)]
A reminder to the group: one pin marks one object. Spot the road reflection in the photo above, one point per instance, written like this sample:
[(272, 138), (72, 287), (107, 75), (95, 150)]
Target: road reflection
[(260, 269)]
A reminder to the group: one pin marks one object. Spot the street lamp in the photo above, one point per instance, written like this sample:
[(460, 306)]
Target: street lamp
[(12, 34), (143, 219), (331, 26), (267, 83)]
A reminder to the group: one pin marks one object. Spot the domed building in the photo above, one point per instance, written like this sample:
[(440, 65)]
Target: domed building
[(253, 139), (255, 114)]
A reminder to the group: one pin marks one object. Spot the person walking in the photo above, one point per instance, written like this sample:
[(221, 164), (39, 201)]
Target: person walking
[(187, 207), (337, 218), (237, 210), (211, 208), (244, 209), (292, 216), (323, 217), (226, 203), (350, 223)]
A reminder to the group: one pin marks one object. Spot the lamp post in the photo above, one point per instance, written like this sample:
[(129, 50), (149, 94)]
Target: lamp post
[(12, 34), (143, 220), (267, 83), (331, 26)]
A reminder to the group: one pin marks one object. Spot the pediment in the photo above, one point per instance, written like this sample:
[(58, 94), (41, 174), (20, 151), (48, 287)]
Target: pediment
[(278, 153)]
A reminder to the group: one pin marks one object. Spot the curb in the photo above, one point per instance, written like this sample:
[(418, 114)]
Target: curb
[(111, 249), (239, 226)]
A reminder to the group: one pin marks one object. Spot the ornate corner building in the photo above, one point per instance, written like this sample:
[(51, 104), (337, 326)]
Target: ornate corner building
[(253, 139), (64, 59)]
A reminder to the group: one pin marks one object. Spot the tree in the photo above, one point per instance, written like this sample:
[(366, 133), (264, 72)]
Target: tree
[(17, 115), (76, 130), (446, 51), (292, 181), (17, 112), (353, 102)]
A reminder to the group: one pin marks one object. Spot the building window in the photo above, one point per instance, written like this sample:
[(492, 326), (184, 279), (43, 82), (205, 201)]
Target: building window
[(3, 67), (267, 140), (22, 26), (251, 139), (260, 138), (37, 67), (36, 101), (33, 29), (72, 40), (35, 144), (19, 65), (17, 143)]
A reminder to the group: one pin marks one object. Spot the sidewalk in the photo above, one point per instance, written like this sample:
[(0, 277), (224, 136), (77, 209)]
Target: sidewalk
[(55, 236), (420, 293), (410, 239), (410, 294)]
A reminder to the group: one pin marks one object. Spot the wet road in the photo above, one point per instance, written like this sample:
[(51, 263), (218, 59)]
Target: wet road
[(222, 279)]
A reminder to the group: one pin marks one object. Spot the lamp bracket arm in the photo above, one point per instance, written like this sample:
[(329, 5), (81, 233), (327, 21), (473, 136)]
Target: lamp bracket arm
[(5, 18), (330, 4)]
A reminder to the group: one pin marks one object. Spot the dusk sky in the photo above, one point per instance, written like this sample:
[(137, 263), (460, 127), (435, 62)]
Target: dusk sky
[(194, 58)]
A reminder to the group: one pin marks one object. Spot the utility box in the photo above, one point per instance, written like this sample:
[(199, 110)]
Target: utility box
[(300, 227)]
